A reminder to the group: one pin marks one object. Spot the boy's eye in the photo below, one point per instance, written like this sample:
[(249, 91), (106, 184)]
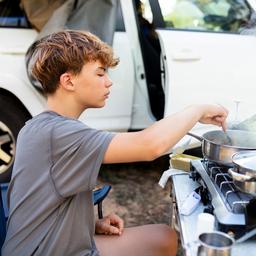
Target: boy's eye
[(101, 74)]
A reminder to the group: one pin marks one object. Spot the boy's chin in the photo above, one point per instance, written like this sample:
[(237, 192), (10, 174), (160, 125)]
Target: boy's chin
[(100, 105)]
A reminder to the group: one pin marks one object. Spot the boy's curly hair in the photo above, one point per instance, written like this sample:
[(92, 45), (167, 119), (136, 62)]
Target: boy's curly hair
[(66, 51)]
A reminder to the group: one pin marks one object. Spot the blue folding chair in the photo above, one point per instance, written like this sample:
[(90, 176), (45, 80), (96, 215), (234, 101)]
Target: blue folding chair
[(98, 196)]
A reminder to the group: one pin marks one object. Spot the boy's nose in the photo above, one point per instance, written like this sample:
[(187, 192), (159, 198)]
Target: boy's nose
[(108, 82)]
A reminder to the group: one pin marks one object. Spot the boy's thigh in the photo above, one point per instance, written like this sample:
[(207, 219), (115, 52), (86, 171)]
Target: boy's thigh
[(155, 239)]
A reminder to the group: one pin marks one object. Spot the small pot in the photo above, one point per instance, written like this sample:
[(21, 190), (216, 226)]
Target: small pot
[(243, 182), (244, 171), (215, 244), (218, 243), (245, 162)]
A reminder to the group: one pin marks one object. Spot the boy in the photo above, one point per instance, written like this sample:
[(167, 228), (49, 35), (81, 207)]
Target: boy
[(58, 158)]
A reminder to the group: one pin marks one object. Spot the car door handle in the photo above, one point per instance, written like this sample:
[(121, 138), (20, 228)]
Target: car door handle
[(13, 51), (185, 55)]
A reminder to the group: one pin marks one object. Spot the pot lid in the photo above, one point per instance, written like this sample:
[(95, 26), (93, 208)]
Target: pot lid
[(245, 159)]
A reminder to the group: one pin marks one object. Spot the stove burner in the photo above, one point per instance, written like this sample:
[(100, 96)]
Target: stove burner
[(235, 199), (230, 206)]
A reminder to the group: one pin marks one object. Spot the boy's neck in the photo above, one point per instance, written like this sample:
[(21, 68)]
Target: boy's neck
[(65, 108)]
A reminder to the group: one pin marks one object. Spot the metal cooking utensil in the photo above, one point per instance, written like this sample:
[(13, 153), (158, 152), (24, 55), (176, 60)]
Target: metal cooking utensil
[(247, 236), (227, 137), (215, 244)]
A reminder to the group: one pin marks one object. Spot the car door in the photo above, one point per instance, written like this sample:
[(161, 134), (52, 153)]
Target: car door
[(209, 52), (117, 113)]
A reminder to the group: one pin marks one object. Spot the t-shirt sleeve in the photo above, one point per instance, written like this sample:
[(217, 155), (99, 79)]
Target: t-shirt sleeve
[(77, 154)]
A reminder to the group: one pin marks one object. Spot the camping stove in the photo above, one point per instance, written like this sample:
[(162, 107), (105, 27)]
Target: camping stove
[(234, 211)]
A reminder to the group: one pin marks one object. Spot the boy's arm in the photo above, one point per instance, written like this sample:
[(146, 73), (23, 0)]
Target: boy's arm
[(157, 139)]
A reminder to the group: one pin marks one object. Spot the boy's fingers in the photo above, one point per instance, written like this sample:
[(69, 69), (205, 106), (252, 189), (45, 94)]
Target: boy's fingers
[(114, 230), (224, 126), (221, 121), (110, 230), (117, 221)]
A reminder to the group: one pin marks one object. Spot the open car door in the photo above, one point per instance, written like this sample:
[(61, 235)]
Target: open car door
[(208, 56)]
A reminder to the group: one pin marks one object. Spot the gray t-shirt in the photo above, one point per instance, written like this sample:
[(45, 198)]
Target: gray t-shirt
[(50, 194)]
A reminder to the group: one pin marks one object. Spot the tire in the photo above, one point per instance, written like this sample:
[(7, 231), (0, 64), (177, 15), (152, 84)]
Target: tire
[(13, 116)]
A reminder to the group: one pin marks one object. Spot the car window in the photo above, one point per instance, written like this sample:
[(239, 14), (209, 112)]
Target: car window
[(11, 14), (207, 15)]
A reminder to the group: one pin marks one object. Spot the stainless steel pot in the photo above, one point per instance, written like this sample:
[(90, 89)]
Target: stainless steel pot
[(245, 162), (215, 244), (219, 146), (218, 243), (244, 171)]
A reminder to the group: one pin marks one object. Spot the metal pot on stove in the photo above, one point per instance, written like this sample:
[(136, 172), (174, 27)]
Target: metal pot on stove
[(219, 146), (244, 171)]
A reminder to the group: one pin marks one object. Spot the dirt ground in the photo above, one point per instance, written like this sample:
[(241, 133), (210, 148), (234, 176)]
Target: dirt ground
[(135, 195)]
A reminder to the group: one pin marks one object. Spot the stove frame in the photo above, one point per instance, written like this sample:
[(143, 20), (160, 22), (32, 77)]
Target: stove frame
[(182, 186), (222, 210)]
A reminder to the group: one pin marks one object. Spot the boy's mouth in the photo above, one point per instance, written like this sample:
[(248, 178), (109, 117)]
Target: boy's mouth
[(106, 95)]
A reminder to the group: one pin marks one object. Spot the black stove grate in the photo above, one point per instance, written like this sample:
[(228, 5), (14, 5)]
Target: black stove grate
[(235, 200), (234, 210)]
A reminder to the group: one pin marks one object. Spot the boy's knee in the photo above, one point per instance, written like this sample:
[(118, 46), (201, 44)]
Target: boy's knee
[(168, 239)]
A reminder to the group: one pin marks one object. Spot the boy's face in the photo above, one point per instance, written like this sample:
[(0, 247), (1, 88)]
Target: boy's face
[(92, 85)]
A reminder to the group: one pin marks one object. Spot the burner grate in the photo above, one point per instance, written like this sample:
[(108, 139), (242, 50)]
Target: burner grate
[(235, 200), (231, 207)]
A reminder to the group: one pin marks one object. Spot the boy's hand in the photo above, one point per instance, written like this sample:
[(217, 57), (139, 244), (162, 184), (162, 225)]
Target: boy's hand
[(110, 225), (214, 114)]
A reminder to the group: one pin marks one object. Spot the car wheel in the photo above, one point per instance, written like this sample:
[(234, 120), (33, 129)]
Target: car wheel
[(13, 116)]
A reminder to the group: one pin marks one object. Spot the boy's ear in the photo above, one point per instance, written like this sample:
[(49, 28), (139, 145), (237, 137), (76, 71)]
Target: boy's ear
[(66, 81)]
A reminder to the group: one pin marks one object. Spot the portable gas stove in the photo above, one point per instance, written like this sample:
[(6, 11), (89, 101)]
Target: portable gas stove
[(234, 211)]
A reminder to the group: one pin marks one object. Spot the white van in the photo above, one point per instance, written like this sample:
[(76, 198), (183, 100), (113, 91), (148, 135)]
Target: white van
[(195, 51)]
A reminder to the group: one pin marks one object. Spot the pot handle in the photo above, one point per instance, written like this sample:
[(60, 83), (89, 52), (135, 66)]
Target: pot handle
[(247, 236), (195, 136), (240, 177)]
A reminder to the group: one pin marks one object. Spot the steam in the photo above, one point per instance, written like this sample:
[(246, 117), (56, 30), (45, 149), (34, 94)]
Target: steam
[(248, 124)]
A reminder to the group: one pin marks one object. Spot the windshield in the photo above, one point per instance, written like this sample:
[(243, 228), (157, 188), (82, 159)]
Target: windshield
[(208, 15)]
